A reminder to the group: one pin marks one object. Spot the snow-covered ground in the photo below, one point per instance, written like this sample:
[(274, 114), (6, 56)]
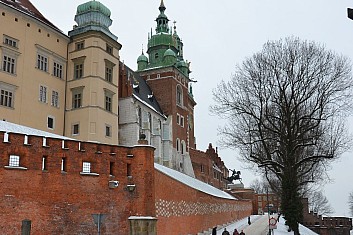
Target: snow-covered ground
[(257, 222)]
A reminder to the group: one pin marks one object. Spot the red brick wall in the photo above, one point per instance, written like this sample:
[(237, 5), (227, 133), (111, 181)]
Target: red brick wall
[(183, 210), (63, 203)]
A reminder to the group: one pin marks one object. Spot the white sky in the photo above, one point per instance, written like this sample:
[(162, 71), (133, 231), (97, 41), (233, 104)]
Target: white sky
[(217, 35)]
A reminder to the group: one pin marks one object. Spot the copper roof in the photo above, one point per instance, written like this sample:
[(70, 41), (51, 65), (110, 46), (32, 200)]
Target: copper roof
[(27, 7)]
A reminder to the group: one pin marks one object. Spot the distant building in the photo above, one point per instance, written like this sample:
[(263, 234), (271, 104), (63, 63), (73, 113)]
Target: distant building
[(325, 225)]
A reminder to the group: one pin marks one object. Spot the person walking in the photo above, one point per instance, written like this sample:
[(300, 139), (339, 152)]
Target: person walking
[(235, 232), (242, 232), (214, 231), (225, 232)]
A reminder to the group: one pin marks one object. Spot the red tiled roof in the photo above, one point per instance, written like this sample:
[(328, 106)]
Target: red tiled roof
[(27, 7)]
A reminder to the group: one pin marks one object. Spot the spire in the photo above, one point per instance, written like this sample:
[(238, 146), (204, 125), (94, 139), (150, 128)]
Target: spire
[(162, 7), (162, 20)]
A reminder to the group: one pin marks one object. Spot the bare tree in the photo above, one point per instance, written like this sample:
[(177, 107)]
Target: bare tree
[(319, 204), (285, 108), (350, 203)]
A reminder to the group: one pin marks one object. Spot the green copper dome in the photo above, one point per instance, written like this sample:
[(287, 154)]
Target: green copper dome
[(169, 52), (93, 6), (142, 58)]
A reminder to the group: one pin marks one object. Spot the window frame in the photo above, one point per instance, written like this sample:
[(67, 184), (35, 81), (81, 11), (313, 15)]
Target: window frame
[(14, 160), (75, 129), (42, 62), (179, 95), (58, 69), (53, 122), (55, 99), (43, 94)]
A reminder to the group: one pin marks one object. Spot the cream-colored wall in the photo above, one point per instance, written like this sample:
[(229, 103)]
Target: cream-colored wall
[(92, 116), (27, 108)]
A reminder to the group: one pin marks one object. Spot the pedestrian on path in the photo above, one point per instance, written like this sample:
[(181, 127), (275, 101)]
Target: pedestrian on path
[(214, 231), (225, 232), (242, 232), (235, 232)]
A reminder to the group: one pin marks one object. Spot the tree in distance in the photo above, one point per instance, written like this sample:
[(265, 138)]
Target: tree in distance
[(350, 203), (319, 204), (286, 109)]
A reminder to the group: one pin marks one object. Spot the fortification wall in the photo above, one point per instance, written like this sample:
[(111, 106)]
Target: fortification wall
[(181, 209), (50, 188)]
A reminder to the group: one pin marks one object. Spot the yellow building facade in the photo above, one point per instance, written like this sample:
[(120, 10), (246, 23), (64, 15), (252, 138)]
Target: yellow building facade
[(62, 84)]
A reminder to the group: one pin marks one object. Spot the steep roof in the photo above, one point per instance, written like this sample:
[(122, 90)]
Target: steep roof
[(26, 7), (141, 90)]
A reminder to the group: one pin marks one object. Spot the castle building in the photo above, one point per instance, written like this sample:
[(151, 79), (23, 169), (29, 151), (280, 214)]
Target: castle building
[(75, 85)]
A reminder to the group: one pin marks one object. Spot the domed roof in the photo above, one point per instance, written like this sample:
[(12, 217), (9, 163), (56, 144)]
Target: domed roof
[(181, 63), (169, 52), (93, 6), (142, 58)]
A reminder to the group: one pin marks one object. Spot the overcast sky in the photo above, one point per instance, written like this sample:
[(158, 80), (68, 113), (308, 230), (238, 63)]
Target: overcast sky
[(219, 34)]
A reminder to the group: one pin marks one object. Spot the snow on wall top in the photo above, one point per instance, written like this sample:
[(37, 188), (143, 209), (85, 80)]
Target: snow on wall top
[(15, 128), (193, 183)]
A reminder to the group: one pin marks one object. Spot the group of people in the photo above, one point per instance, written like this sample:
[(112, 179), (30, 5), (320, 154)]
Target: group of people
[(225, 232)]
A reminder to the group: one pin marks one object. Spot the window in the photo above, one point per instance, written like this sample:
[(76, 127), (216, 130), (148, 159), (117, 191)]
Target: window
[(178, 145), (108, 130), (6, 98), (109, 49), (109, 70), (108, 74), (156, 55), (181, 121), (80, 45), (55, 99), (77, 97), (150, 121), (10, 41), (178, 119), (128, 169), (78, 70), (108, 102), (63, 164), (14, 161), (179, 97), (111, 168), (43, 94), (58, 70), (50, 122), (44, 163), (183, 147), (42, 62), (8, 64), (202, 168), (86, 167), (75, 129)]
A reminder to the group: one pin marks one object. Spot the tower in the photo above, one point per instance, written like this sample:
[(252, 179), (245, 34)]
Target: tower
[(167, 74), (92, 82)]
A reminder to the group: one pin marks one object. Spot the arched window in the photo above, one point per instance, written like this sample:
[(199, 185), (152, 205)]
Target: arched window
[(179, 93), (178, 145), (183, 147), (150, 121)]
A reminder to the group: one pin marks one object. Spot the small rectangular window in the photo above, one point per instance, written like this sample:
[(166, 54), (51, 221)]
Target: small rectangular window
[(75, 129), (50, 122), (14, 161), (128, 169), (111, 168), (178, 119), (108, 131), (86, 167), (80, 45), (63, 164), (10, 41), (109, 74), (44, 163), (109, 49)]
